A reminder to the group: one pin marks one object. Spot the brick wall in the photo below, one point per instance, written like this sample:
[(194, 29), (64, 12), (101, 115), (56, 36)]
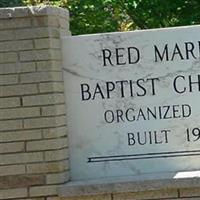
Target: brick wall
[(33, 139)]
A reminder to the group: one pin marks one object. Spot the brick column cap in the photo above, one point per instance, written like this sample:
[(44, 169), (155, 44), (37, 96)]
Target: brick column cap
[(43, 10)]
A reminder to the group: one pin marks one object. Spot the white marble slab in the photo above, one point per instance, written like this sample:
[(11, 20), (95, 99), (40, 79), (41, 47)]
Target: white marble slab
[(133, 102)]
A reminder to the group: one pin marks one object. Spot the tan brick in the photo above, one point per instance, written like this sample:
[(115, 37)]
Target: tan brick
[(54, 132), (16, 45), (9, 102), (53, 110), (190, 192), (13, 193), (57, 178), (46, 144), (6, 35), (20, 158), (7, 68), (189, 198), (44, 54), (92, 197), (158, 194), (64, 32), (45, 99), (50, 167), (8, 79), (40, 21), (51, 86), (12, 147), (17, 113), (10, 125), (54, 198), (17, 12), (57, 154), (44, 122), (16, 90), (64, 23), (15, 23), (8, 57), (19, 181), (51, 65), (12, 170), (41, 32), (11, 68), (21, 135), (50, 21), (26, 67), (40, 198), (47, 190), (41, 77), (47, 43), (66, 165)]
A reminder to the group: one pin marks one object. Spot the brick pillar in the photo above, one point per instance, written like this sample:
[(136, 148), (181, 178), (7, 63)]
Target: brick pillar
[(33, 137)]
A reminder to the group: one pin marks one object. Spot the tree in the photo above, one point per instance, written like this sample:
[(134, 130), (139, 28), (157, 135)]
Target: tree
[(13, 3), (159, 13), (96, 16)]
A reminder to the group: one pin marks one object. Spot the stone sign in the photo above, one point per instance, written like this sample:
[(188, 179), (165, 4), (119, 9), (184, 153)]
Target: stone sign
[(133, 102)]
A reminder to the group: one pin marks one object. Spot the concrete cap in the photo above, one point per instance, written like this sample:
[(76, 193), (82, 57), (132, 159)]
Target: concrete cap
[(131, 184), (14, 12)]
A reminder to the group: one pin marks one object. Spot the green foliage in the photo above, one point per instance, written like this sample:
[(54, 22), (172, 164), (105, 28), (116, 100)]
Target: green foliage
[(160, 13), (45, 2), (95, 16), (11, 3)]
